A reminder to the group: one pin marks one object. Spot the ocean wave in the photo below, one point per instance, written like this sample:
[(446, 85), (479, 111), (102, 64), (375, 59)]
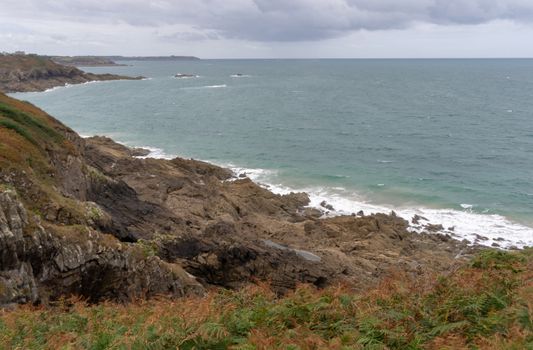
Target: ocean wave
[(479, 228), (205, 87), (484, 229), (185, 76), (157, 153), (240, 76), (67, 85)]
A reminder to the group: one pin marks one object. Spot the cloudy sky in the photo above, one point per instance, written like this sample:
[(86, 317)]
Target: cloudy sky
[(270, 28)]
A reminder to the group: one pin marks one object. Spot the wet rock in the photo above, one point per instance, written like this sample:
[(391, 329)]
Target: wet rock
[(417, 218), (327, 206), (481, 238), (140, 152), (434, 227)]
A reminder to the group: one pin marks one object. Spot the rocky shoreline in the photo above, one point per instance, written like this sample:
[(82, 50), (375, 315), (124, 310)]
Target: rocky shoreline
[(27, 73), (90, 217)]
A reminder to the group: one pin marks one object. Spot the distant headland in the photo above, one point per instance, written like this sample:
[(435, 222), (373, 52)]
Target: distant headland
[(95, 61), (20, 72)]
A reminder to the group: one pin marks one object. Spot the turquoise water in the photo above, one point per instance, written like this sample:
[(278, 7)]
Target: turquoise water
[(452, 139)]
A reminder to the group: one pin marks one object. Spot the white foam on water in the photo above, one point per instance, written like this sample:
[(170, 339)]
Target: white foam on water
[(240, 76), (483, 229), (67, 85), (194, 76), (205, 87), (58, 87), (157, 153)]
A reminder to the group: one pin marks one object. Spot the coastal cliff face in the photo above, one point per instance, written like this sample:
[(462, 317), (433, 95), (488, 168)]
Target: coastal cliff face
[(23, 73), (88, 217)]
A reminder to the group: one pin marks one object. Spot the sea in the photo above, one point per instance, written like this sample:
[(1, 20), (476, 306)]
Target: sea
[(449, 140)]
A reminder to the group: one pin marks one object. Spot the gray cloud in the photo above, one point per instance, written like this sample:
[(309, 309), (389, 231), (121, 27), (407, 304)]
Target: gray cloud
[(271, 20)]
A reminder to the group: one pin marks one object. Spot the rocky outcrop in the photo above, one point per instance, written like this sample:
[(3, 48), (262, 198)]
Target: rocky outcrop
[(40, 263), (228, 230), (23, 73), (221, 256)]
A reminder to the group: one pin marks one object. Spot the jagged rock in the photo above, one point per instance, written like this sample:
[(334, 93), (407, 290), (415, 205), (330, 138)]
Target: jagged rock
[(327, 206), (39, 264), (434, 227), (417, 218), (226, 259)]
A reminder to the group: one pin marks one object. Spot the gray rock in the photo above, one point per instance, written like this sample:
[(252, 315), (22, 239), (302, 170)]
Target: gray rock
[(40, 264)]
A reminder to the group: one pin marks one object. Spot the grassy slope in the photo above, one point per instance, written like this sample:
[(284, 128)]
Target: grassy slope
[(486, 305), (26, 131), (27, 138)]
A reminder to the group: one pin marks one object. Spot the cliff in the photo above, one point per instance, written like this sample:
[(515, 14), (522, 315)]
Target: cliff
[(87, 217), (23, 73)]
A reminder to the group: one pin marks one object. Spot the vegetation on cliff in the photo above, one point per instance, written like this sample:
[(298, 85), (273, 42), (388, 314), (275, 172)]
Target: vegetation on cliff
[(53, 241), (487, 304)]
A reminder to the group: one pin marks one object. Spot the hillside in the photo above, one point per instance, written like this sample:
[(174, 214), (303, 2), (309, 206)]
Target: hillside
[(486, 304), (22, 73)]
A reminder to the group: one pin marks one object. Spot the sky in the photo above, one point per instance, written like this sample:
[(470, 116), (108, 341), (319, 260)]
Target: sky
[(270, 28)]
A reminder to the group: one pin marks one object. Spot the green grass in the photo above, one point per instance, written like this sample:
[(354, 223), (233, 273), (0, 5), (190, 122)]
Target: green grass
[(31, 123), (18, 129), (486, 305)]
